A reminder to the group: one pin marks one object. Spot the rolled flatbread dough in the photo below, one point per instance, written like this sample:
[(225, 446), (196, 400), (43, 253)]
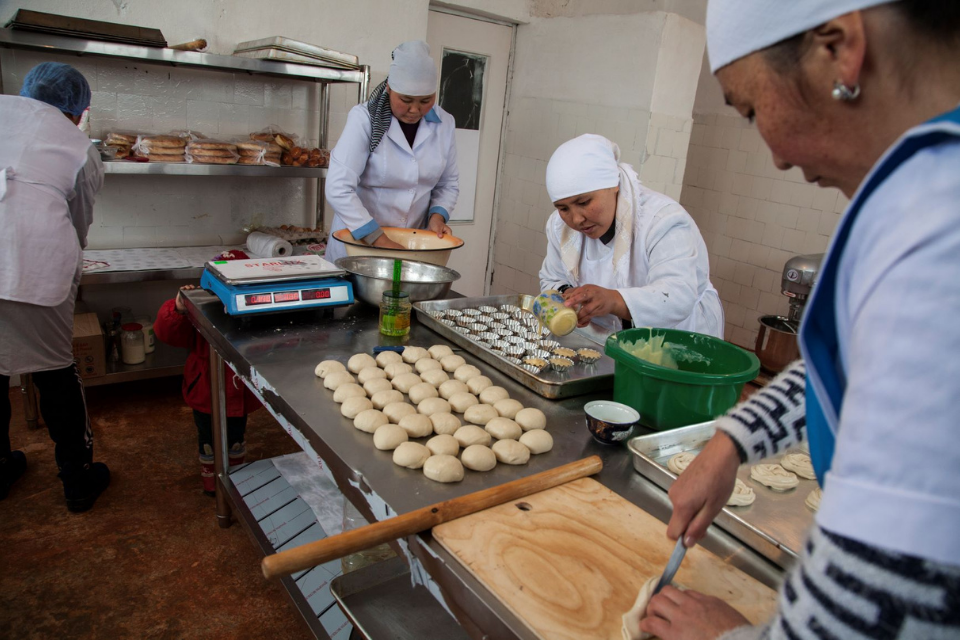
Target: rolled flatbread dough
[(416, 425), (480, 414), (382, 398), (351, 407), (371, 373), (377, 384), (742, 495), (411, 455), (413, 354), (438, 351), (504, 429), (427, 364), (511, 452), (472, 434), (360, 361), (443, 469), (530, 419), (349, 390), (337, 378), (388, 437), (369, 420), (436, 377), (813, 500), (462, 400), (465, 372), (388, 357), (492, 395), (431, 406), (451, 363), (328, 366), (508, 407), (445, 423), (537, 440), (478, 457), (452, 387), (478, 384), (774, 476), (443, 445), (679, 463), (631, 619), (397, 411), (800, 464), (421, 391)]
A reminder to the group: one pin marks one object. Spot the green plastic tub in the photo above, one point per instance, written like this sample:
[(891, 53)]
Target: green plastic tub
[(710, 379)]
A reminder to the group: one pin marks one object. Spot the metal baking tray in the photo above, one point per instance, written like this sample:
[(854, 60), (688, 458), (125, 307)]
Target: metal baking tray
[(578, 380), (381, 602), (282, 55), (775, 525), (302, 48)]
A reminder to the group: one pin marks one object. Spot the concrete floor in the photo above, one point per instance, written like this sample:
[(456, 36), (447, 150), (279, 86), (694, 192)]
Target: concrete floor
[(148, 561)]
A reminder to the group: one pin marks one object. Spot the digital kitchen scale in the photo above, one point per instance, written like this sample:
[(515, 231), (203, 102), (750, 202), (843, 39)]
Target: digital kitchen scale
[(270, 285)]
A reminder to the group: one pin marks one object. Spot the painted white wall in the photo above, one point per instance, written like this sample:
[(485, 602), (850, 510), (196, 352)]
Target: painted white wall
[(694, 10), (679, 60)]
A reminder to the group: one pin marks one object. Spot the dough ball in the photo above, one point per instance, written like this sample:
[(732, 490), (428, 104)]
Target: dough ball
[(388, 357), (438, 351), (352, 407), (472, 434), (463, 401), (451, 363), (478, 384), (478, 457), (493, 395), (431, 406), (412, 354), (406, 381), (507, 451), (395, 369), (504, 429), (451, 388), (371, 373), (416, 425), (537, 440), (369, 420), (427, 364), (465, 372), (530, 419), (382, 398), (443, 469), (328, 366), (508, 408), (333, 380), (445, 423), (478, 414), (388, 437), (411, 455), (349, 390), (377, 384), (443, 445), (360, 361), (396, 411), (421, 391), (436, 377)]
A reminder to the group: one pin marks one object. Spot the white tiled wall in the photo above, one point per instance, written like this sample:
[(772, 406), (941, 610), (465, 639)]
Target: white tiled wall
[(753, 218)]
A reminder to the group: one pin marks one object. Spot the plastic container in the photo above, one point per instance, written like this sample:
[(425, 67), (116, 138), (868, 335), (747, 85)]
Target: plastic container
[(548, 307), (149, 337), (131, 344), (709, 381), (395, 310)]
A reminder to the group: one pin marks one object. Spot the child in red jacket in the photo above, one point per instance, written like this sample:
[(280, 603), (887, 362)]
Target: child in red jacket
[(174, 328)]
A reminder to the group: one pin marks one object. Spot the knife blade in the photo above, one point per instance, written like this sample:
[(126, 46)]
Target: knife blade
[(673, 564)]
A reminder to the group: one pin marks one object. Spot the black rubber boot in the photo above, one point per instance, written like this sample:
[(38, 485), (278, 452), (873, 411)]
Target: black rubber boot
[(82, 488), (11, 468)]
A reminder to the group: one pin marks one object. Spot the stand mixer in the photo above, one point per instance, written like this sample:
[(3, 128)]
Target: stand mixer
[(777, 340)]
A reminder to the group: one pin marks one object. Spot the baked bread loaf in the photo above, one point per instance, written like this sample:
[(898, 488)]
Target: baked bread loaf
[(166, 157), (120, 139)]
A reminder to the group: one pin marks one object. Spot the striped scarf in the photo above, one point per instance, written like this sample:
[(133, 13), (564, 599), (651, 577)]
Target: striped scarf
[(378, 106)]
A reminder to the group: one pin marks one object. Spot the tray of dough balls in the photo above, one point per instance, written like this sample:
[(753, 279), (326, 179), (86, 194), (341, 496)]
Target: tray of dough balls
[(773, 502), (499, 331), (437, 414)]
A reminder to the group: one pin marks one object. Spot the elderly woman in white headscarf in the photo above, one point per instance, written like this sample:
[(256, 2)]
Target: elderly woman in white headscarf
[(862, 95), (622, 254), (395, 164)]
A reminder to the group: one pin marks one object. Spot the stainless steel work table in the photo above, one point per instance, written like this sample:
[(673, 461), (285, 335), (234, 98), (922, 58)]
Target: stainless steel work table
[(277, 356)]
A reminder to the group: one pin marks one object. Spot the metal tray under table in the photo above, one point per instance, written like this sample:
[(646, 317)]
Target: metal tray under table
[(578, 380), (775, 525)]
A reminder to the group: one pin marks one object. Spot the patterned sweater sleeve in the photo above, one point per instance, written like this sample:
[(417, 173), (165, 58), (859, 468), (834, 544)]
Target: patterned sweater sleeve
[(771, 420)]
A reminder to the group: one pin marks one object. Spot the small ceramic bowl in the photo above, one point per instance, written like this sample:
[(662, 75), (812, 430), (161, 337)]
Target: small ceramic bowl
[(503, 333), (477, 327), (513, 351), (560, 365), (487, 309), (589, 356), (610, 422), (508, 308), (471, 312), (448, 322), (549, 345)]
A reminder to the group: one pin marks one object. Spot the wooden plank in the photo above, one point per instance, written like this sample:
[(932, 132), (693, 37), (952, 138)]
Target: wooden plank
[(570, 561)]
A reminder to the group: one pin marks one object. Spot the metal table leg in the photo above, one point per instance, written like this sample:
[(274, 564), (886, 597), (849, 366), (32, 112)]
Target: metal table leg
[(218, 417), (30, 407)]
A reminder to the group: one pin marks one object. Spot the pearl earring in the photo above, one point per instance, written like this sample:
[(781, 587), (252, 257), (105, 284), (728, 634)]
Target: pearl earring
[(843, 93)]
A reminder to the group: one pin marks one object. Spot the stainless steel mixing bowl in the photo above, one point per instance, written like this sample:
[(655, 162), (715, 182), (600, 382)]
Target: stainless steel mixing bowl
[(371, 276)]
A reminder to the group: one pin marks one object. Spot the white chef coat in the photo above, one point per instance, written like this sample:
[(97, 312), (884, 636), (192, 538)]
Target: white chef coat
[(395, 186), (668, 285), (49, 176)]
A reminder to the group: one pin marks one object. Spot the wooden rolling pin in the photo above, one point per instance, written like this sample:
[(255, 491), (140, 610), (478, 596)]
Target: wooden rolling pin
[(314, 553), (193, 45)]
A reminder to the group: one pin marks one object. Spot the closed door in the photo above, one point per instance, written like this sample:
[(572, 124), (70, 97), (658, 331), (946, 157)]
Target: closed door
[(472, 57)]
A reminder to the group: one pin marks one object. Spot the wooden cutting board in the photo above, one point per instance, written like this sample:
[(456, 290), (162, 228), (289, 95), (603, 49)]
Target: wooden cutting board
[(570, 561)]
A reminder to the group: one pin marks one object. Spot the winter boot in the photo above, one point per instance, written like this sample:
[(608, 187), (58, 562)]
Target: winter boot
[(11, 468), (82, 487), (237, 453), (208, 473)]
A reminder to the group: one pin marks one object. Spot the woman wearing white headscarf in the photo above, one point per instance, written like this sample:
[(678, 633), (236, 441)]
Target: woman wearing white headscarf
[(621, 252), (862, 95), (395, 164)]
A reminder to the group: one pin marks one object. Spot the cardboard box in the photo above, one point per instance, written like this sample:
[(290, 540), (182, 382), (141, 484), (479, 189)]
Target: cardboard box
[(88, 345)]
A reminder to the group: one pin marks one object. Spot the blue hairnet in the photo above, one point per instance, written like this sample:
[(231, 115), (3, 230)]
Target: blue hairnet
[(59, 85)]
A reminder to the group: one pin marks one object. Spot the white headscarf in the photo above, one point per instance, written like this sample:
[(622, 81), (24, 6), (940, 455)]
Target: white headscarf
[(737, 28), (413, 72)]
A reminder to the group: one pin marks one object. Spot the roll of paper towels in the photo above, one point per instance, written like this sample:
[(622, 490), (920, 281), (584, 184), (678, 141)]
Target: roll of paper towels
[(267, 246)]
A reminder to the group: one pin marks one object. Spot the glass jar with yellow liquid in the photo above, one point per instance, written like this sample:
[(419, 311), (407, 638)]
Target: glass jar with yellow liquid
[(395, 310)]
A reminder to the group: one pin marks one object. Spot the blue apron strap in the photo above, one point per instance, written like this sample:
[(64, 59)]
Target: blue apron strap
[(819, 333)]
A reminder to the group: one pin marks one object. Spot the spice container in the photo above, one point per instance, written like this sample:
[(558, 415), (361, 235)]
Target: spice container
[(395, 313), (131, 344)]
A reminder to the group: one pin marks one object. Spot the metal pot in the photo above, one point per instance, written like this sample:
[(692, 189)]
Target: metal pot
[(372, 276), (777, 343)]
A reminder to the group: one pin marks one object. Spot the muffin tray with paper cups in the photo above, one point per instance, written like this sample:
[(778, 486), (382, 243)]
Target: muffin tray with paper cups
[(501, 332), (775, 523)]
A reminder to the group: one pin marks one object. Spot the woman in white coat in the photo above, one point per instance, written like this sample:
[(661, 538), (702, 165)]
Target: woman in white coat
[(622, 253), (395, 164)]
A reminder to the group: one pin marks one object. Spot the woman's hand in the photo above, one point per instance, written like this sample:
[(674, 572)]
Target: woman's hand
[(439, 226), (386, 243), (688, 615), (595, 301), (178, 305), (702, 489)]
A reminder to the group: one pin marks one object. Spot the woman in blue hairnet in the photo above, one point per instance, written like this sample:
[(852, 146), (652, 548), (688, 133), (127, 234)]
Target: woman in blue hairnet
[(49, 176)]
